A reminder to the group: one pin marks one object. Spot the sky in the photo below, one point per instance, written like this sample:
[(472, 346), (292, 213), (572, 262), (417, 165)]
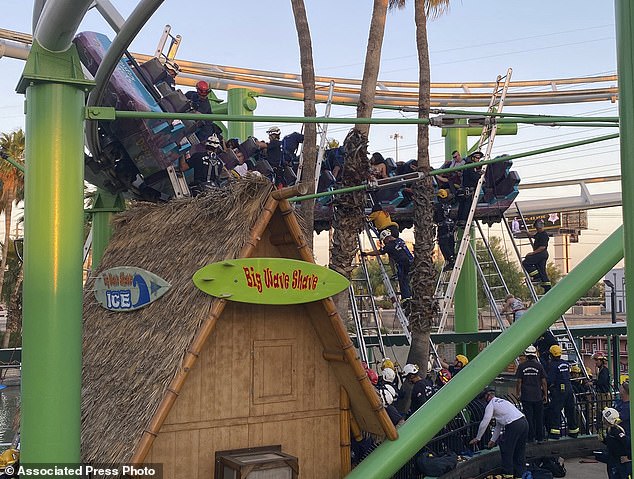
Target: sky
[(473, 41)]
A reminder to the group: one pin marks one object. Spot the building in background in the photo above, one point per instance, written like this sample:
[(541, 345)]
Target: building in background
[(617, 277)]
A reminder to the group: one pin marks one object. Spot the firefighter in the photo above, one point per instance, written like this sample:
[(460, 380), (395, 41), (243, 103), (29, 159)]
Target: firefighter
[(561, 396)]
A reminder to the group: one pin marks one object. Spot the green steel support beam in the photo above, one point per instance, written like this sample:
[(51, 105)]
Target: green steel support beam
[(53, 241), (441, 171), (109, 113), (420, 428), (240, 103), (624, 14), (11, 161), (466, 295), (475, 131), (221, 109), (106, 204)]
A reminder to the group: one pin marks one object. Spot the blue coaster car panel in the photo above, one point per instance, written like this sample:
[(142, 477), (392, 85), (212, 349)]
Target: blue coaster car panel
[(499, 190), (132, 145)]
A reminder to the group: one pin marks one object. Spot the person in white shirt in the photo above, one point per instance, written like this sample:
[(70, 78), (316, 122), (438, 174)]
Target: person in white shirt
[(512, 441)]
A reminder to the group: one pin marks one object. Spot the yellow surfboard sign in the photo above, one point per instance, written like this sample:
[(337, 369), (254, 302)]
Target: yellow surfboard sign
[(269, 281)]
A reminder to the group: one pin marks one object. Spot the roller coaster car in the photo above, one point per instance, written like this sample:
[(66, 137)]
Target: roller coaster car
[(134, 153), (499, 190)]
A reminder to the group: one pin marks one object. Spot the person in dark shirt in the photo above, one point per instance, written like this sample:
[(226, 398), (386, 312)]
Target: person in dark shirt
[(200, 97), (532, 390), (470, 178), (535, 262), (398, 252), (460, 361), (206, 165), (561, 396), (274, 152), (602, 384), (619, 461), (290, 145), (422, 389), (622, 405), (445, 234), (200, 103), (543, 344)]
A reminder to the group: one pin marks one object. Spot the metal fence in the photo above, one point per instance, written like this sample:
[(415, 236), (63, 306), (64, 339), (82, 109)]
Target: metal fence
[(455, 436)]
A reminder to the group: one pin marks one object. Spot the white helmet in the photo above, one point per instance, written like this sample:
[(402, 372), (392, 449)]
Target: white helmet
[(388, 375), (213, 141), (274, 130), (410, 369), (530, 351), (611, 415), (384, 234), (386, 396)]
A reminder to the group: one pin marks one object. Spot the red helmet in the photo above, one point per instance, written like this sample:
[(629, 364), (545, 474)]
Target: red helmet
[(202, 87)]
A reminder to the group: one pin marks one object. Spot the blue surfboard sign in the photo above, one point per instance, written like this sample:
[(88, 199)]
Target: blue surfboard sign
[(126, 288)]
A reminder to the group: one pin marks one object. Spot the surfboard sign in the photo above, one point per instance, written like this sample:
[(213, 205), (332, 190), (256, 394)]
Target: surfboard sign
[(269, 281), (126, 288)]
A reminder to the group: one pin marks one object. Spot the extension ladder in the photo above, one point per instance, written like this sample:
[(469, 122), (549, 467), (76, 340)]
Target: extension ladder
[(566, 340), (322, 142), (359, 298), (175, 42), (446, 286)]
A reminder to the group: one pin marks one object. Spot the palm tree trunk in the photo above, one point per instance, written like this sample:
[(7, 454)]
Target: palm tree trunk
[(309, 150), (5, 252), (14, 313), (424, 306), (348, 210), (372, 63)]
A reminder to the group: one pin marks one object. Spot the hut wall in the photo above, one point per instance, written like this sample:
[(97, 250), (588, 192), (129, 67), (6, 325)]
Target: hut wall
[(260, 380)]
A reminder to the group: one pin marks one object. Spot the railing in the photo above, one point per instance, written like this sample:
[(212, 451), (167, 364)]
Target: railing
[(455, 436)]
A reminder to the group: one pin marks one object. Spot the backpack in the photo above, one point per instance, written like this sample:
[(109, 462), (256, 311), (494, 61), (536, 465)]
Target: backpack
[(435, 466), (553, 464)]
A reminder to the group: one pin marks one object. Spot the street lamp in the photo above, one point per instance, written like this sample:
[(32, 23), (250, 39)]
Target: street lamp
[(616, 367), (396, 137)]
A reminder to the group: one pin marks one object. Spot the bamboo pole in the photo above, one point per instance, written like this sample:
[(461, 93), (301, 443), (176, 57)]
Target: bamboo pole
[(356, 430), (337, 324), (344, 431), (175, 386)]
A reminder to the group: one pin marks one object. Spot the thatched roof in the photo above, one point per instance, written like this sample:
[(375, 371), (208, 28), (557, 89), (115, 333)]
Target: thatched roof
[(130, 358), (134, 362)]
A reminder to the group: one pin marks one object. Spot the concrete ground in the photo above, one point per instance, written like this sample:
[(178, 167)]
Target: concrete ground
[(578, 469)]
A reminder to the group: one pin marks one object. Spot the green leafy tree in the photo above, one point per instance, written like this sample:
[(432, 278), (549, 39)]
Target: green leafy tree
[(374, 272)]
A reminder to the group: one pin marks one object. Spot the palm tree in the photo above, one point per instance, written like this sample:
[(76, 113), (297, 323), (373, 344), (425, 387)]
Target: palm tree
[(309, 149), (348, 215), (424, 305), (12, 190)]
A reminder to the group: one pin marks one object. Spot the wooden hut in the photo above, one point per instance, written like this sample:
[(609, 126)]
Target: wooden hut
[(190, 375)]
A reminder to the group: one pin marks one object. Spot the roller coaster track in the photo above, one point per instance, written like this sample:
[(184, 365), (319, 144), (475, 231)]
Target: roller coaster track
[(390, 94)]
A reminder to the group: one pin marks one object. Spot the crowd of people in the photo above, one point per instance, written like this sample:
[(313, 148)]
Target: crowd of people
[(548, 388)]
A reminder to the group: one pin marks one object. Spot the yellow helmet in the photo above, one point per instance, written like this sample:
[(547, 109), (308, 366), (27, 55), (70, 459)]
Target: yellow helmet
[(387, 363), (332, 144), (462, 359), (555, 350), (575, 368), (442, 193)]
